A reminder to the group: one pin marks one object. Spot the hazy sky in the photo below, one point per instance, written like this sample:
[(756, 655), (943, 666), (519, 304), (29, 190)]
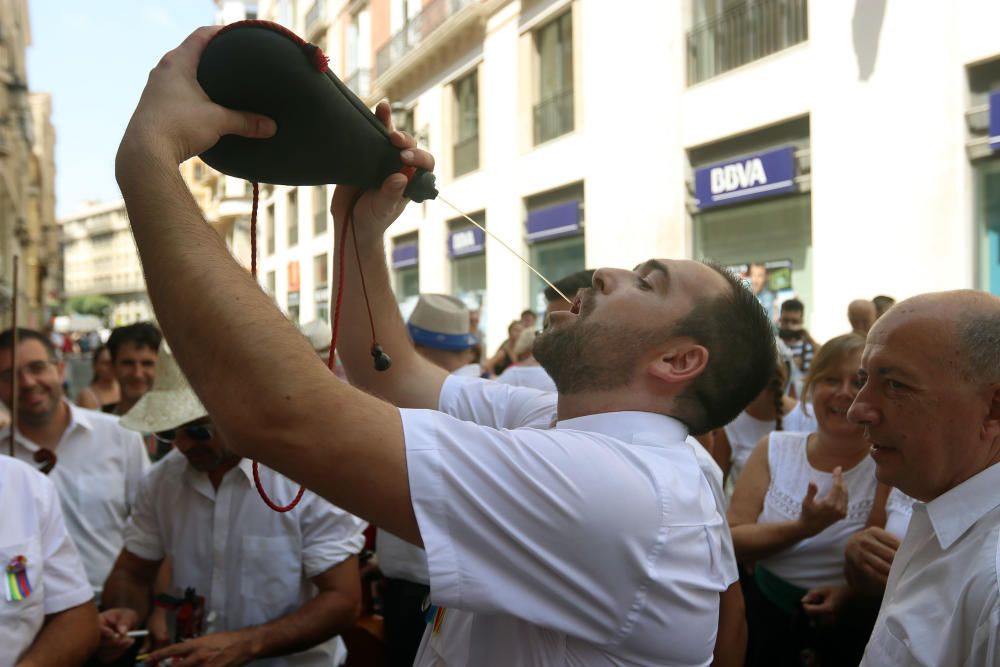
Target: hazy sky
[(93, 58)]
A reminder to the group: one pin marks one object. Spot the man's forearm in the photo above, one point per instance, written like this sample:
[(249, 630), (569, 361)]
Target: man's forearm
[(67, 639), (404, 384), (326, 615), (123, 590), (255, 373)]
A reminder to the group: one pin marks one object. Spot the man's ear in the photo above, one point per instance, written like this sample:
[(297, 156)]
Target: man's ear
[(681, 363)]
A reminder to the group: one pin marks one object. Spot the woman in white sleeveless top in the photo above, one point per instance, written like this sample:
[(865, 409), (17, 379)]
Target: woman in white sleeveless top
[(799, 500)]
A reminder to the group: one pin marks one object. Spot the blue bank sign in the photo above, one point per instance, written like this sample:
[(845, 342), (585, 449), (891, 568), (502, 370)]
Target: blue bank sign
[(995, 120), (745, 178)]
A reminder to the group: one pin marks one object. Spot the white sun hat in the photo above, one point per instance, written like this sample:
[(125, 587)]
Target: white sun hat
[(169, 404)]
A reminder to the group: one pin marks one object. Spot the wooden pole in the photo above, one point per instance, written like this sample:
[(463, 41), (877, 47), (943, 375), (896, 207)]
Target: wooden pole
[(14, 372)]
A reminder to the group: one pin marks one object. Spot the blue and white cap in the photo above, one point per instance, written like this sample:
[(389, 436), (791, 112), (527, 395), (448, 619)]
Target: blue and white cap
[(441, 321)]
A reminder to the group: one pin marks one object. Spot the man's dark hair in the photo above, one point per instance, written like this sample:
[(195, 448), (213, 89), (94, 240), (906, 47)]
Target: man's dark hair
[(793, 304), (741, 355), (140, 334), (7, 340), (570, 285), (529, 311)]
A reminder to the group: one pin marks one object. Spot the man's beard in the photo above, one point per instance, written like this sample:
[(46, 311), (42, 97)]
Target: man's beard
[(591, 356)]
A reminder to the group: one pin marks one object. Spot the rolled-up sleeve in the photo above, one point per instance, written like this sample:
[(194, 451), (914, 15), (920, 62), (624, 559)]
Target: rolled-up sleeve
[(143, 535), (329, 536)]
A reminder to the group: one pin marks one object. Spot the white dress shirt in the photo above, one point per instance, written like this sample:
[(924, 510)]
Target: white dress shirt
[(252, 564), (32, 526), (98, 468), (528, 376), (941, 605), (598, 542)]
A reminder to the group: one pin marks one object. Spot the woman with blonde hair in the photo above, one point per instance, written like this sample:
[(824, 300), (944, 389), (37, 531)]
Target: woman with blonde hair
[(800, 498)]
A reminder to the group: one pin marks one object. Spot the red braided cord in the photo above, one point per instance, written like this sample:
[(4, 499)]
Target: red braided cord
[(364, 289), (253, 271), (253, 231), (332, 360)]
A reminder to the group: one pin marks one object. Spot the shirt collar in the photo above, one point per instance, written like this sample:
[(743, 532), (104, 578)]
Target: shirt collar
[(626, 425), (246, 467), (954, 512), (78, 417)]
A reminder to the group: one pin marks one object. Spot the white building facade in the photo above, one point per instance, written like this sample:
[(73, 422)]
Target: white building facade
[(846, 145), (100, 259)]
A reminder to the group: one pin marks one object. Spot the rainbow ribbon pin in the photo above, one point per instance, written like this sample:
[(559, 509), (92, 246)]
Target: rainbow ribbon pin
[(18, 587)]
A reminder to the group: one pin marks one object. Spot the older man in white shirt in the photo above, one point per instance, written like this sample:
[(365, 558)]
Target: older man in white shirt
[(931, 406), (596, 542), (47, 616), (276, 585), (98, 463)]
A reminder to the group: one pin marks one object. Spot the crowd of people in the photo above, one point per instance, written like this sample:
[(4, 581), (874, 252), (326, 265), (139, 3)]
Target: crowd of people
[(664, 471)]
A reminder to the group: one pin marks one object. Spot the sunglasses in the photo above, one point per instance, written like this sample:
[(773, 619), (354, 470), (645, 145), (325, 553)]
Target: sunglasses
[(197, 432)]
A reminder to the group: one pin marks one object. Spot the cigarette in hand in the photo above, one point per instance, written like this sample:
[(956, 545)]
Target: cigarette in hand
[(137, 633)]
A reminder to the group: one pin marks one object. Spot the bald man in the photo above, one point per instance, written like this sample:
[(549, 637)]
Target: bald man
[(861, 315), (931, 408)]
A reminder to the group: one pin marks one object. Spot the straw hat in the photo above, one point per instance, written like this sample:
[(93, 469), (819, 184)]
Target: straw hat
[(169, 404), (441, 321)]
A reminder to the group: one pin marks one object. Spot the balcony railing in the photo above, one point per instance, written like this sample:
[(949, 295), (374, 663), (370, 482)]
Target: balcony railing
[(314, 17), (745, 33), (416, 30), (466, 155), (554, 116), (360, 82)]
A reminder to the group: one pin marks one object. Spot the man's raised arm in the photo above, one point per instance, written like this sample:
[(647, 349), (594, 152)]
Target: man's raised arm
[(256, 375), (412, 381)]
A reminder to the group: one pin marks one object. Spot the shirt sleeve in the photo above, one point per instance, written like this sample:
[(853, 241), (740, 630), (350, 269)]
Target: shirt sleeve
[(66, 584), (143, 534), (329, 535), (137, 462), (554, 528), (497, 405)]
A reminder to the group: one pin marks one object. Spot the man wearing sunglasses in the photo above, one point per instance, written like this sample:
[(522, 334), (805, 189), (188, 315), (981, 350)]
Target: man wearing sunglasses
[(98, 463), (276, 585)]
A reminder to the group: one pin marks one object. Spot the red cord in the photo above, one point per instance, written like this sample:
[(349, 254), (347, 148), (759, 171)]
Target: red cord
[(348, 225), (364, 288), (253, 231), (253, 271)]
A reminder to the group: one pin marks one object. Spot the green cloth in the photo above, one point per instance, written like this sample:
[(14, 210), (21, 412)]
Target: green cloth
[(781, 593)]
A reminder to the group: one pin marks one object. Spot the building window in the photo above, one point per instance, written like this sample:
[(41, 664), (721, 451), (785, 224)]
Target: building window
[(271, 223), (359, 53), (319, 210), (466, 148), (727, 34), (467, 250), (553, 111), (272, 282), (321, 274), (554, 231), (293, 218), (406, 272), (988, 205)]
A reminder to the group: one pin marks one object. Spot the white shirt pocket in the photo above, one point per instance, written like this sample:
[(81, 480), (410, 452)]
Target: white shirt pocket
[(271, 569)]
